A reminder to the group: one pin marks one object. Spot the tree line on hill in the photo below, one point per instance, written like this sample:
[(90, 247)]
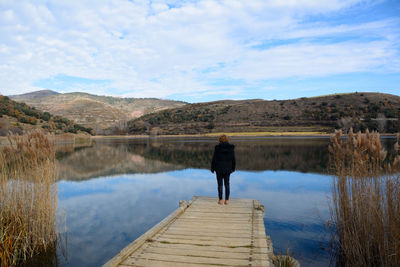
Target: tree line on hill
[(26, 115)]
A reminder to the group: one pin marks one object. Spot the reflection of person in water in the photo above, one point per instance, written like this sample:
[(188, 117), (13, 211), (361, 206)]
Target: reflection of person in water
[(223, 163)]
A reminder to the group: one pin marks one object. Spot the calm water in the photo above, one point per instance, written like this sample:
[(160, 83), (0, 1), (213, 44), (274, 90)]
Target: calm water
[(113, 191)]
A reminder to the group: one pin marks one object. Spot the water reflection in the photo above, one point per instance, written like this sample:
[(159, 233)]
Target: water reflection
[(106, 159), (309, 155), (154, 156)]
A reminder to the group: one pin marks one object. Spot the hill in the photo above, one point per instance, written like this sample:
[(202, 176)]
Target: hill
[(18, 117), (375, 111), (33, 95), (105, 114)]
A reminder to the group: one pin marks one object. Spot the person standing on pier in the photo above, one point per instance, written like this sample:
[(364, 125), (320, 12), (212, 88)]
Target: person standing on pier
[(223, 163)]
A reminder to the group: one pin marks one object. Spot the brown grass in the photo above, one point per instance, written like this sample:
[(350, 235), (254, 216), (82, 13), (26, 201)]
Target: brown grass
[(28, 198), (365, 211), (287, 260)]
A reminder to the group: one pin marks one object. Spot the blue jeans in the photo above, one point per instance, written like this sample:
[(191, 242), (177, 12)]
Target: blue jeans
[(225, 178)]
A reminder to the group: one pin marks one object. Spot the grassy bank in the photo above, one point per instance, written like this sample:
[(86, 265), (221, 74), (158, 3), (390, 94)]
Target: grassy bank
[(28, 198), (365, 211)]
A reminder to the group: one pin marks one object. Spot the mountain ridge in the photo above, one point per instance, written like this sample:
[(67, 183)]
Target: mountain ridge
[(35, 94)]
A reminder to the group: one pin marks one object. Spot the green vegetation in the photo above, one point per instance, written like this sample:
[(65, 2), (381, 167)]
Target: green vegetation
[(28, 198), (30, 115), (365, 210), (178, 117), (21, 111)]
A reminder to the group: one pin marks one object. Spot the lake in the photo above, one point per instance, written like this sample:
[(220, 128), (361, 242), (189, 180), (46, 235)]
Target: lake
[(113, 191)]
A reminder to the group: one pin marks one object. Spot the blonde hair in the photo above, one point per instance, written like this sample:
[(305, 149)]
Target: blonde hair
[(223, 138)]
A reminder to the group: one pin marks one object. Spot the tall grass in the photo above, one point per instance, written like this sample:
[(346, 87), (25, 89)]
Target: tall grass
[(28, 198), (365, 211)]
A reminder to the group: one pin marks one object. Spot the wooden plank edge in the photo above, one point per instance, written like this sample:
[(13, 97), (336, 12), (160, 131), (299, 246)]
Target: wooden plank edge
[(263, 242), (132, 247)]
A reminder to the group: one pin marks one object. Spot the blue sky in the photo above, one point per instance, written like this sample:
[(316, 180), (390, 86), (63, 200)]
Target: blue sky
[(200, 50)]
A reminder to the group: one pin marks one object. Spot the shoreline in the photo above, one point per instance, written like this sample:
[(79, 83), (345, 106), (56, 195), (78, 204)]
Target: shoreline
[(229, 134)]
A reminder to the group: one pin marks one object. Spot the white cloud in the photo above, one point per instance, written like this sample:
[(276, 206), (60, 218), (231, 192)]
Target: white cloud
[(161, 48)]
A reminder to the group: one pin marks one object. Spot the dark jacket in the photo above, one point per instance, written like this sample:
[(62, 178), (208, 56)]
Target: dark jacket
[(223, 160)]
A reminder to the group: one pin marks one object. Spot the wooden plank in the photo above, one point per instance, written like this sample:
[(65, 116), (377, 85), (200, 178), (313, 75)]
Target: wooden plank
[(195, 253), (217, 213), (223, 220), (215, 234), (214, 227), (202, 248), (163, 263), (205, 230), (230, 254), (203, 233), (207, 237), (188, 259), (223, 243)]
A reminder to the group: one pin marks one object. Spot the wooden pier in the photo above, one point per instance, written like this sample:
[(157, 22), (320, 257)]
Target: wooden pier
[(203, 233)]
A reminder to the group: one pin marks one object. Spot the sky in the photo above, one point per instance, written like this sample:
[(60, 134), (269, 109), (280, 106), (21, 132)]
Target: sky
[(198, 51)]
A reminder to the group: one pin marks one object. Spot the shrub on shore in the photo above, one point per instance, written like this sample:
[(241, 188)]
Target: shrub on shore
[(365, 209), (28, 197)]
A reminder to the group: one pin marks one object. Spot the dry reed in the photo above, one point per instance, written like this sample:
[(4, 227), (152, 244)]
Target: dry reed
[(365, 209), (28, 197)]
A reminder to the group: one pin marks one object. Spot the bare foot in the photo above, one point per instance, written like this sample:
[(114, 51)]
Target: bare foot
[(226, 202), (220, 202)]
